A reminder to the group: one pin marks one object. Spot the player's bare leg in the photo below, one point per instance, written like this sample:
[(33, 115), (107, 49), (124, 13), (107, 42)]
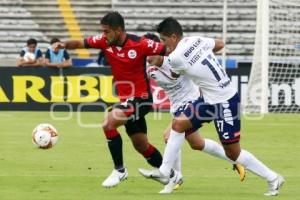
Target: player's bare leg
[(213, 148), (251, 163), (149, 152), (112, 121), (165, 172), (140, 142), (197, 142)]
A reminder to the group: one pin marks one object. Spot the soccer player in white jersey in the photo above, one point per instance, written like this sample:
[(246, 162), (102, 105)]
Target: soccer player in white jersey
[(194, 57), (182, 91)]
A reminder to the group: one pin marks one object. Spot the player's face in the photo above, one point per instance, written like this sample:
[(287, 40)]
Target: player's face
[(31, 48), (112, 35), (169, 41), (53, 47)]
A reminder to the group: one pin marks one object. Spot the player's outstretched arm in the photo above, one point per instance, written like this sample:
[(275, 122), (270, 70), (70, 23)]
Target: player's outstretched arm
[(219, 44), (155, 60)]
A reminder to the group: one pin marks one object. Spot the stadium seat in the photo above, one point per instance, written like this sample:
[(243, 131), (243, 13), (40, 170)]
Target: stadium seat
[(198, 18), (16, 26), (21, 19)]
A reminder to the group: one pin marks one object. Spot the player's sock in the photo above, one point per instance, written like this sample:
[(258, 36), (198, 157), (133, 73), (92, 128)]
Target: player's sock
[(171, 152), (215, 149), (115, 144), (153, 156), (250, 162), (177, 165)]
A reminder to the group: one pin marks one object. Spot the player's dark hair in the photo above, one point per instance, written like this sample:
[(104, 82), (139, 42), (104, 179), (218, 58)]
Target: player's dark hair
[(31, 41), (114, 20), (170, 26), (152, 36), (54, 40)]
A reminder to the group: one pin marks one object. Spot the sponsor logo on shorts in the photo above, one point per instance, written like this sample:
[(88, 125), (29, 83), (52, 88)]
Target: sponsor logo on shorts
[(227, 113), (237, 134), (225, 135)]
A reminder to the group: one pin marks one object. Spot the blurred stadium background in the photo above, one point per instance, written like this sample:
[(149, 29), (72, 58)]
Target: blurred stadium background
[(262, 34), (22, 19), (255, 32)]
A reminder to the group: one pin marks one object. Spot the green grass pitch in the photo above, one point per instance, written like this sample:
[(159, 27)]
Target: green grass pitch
[(75, 168)]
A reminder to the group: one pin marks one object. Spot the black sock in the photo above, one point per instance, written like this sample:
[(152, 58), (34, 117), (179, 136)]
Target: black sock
[(153, 156), (155, 159), (115, 147)]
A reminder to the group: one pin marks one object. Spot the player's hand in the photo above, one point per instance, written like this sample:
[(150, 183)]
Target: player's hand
[(30, 61), (60, 65), (58, 45), (155, 60)]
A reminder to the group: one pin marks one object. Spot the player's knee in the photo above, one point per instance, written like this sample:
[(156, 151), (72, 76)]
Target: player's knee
[(232, 155), (106, 126), (113, 120), (109, 124), (194, 146), (197, 146), (178, 126), (166, 136), (232, 151), (166, 140)]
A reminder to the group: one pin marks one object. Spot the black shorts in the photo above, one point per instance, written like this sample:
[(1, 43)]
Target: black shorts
[(135, 109)]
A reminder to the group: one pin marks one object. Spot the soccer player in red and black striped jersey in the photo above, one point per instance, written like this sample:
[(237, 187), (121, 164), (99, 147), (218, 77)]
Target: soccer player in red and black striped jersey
[(126, 54)]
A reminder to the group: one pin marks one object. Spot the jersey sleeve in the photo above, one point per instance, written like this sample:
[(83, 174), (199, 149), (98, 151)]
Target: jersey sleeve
[(150, 47), (47, 54), (66, 55), (166, 64), (22, 53), (209, 42), (175, 63), (39, 54), (96, 42)]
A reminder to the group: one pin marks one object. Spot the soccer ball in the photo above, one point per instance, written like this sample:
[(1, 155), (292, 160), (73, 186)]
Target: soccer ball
[(29, 56), (44, 136)]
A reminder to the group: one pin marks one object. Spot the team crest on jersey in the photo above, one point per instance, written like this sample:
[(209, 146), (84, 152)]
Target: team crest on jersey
[(132, 54)]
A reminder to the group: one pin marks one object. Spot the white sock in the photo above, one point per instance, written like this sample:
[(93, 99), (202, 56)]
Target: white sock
[(215, 149), (177, 165), (250, 162), (171, 152)]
